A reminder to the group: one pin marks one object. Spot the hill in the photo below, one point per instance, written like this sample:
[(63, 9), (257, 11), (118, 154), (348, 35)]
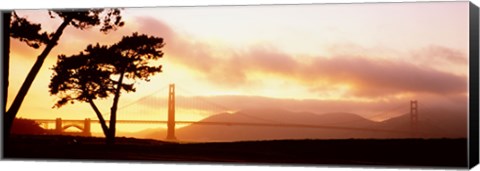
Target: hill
[(338, 126), (199, 132), (26, 126), (433, 123)]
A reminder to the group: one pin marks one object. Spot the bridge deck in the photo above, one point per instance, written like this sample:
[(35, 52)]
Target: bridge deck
[(239, 124)]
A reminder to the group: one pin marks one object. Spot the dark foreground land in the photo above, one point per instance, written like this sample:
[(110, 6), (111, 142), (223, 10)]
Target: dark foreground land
[(399, 152)]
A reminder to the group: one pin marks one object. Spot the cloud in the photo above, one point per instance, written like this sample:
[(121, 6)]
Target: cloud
[(379, 78), (440, 55), (269, 59), (367, 76), (151, 26), (198, 56)]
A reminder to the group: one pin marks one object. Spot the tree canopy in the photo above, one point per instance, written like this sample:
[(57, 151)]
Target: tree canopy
[(31, 34), (90, 74), (109, 19), (99, 72)]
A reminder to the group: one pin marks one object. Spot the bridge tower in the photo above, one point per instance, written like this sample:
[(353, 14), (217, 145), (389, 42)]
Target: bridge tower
[(414, 117), (58, 126), (86, 127), (171, 113)]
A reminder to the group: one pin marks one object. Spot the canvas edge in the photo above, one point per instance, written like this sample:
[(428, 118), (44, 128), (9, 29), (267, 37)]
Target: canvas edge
[(3, 63), (473, 140)]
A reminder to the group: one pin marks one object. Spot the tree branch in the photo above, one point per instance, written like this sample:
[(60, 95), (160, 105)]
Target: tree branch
[(113, 111), (100, 117)]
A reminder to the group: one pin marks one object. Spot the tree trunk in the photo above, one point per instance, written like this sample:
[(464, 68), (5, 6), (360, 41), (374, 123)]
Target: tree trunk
[(100, 117), (113, 110), (17, 102), (6, 62)]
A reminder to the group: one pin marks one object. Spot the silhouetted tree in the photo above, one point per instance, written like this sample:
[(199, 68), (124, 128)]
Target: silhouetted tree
[(100, 71), (25, 31), (21, 29)]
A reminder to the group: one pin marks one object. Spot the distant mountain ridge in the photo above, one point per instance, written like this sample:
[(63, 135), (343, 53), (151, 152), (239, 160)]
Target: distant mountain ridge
[(431, 128)]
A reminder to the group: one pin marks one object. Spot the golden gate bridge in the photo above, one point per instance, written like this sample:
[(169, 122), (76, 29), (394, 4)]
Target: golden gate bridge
[(85, 125)]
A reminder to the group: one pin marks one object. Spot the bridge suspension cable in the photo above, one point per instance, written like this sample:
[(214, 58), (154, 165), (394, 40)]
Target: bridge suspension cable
[(142, 98), (203, 99)]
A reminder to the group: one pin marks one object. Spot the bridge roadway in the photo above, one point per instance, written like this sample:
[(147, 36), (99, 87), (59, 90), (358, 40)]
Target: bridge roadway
[(284, 125)]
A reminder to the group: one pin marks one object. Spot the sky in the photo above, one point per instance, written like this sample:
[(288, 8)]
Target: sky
[(367, 59)]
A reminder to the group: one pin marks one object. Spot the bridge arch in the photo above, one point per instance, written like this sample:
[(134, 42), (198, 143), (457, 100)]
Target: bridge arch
[(73, 125), (60, 127)]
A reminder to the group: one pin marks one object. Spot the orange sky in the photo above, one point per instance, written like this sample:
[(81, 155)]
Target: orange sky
[(360, 58)]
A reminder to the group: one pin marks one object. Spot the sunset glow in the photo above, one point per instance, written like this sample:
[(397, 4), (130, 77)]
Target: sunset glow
[(367, 59)]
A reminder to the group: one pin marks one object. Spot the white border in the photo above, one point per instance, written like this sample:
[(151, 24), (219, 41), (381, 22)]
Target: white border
[(36, 4), (121, 166)]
